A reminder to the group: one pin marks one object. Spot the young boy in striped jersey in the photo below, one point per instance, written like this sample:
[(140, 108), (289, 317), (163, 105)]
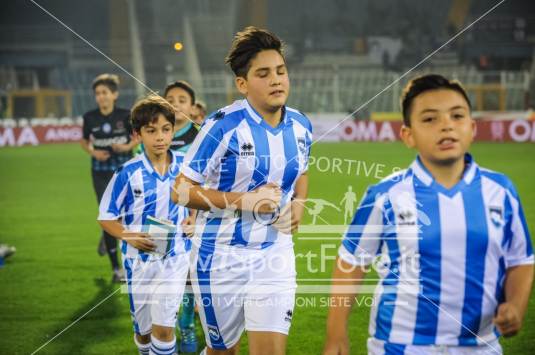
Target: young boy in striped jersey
[(138, 190), (456, 260), (248, 161)]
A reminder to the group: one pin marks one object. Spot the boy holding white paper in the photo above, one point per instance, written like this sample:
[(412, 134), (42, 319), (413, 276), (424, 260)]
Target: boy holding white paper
[(136, 208)]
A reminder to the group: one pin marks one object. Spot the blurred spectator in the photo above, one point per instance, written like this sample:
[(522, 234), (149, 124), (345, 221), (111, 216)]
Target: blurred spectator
[(199, 112)]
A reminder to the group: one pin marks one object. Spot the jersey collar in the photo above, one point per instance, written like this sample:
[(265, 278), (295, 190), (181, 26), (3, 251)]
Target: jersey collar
[(258, 118), (421, 172), (150, 169), (109, 114)]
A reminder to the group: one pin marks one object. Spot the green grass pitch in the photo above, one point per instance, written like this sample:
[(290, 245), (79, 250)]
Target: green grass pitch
[(48, 211)]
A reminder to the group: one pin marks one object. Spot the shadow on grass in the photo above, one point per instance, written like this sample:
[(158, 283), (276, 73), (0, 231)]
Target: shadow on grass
[(99, 325), (96, 327)]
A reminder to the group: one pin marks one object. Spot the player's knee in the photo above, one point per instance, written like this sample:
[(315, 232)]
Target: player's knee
[(143, 339), (163, 333), (264, 343)]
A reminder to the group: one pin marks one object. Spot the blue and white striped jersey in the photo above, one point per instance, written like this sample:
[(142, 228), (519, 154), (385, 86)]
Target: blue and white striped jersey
[(443, 254), (137, 191), (236, 150)]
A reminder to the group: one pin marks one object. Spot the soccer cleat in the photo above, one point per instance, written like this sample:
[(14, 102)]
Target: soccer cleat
[(188, 340), (101, 250), (118, 276), (6, 250)]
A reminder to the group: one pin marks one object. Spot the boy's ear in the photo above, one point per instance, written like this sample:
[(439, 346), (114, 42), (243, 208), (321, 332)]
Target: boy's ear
[(241, 85), (406, 136), (115, 95)]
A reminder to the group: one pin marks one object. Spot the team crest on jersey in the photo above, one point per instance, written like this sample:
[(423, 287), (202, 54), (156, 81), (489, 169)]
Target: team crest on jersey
[(301, 143), (246, 150), (106, 127), (496, 216), (289, 315), (119, 127), (213, 332)]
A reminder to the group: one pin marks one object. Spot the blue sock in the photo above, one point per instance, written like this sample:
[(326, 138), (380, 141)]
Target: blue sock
[(188, 311)]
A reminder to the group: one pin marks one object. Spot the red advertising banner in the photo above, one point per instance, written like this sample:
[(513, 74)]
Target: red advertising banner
[(487, 131), (36, 135), (350, 130)]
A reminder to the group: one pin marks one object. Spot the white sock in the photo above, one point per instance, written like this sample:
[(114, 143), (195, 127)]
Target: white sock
[(143, 348), (159, 347)]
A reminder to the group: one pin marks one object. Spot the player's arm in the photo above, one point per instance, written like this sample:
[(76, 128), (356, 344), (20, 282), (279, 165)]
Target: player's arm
[(140, 241), (188, 224), (110, 213), (191, 194), (356, 252), (510, 314), (291, 215), (300, 191), (86, 146), (346, 279), (299, 200), (519, 274)]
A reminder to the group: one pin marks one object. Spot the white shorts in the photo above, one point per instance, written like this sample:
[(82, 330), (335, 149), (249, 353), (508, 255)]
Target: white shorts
[(155, 290), (379, 347), (238, 288)]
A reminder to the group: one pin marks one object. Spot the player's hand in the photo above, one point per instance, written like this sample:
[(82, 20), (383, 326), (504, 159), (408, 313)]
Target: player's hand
[(508, 319), (188, 226), (140, 241), (121, 148), (101, 155), (290, 217), (298, 208), (283, 223), (338, 346), (264, 199)]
